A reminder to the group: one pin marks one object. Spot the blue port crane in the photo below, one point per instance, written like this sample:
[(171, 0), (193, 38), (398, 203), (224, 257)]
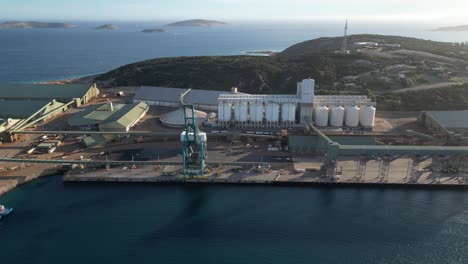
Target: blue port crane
[(193, 143)]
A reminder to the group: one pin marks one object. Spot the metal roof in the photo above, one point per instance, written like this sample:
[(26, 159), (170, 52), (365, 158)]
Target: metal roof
[(451, 119), (43, 91), (20, 108), (123, 115), (165, 94)]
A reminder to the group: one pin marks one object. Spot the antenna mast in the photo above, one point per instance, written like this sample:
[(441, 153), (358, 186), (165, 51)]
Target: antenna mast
[(344, 46)]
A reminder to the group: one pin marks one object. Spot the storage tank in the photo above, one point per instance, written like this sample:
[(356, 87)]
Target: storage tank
[(352, 116), (224, 112), (256, 112), (272, 112), (367, 117), (321, 116), (337, 116), (288, 113), (240, 112)]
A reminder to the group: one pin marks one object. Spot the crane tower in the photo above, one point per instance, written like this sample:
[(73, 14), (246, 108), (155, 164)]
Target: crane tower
[(193, 144)]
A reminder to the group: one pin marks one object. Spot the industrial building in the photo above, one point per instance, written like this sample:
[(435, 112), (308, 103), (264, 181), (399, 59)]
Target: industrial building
[(23, 105), (108, 117), (206, 100), (445, 122), (248, 110), (80, 93)]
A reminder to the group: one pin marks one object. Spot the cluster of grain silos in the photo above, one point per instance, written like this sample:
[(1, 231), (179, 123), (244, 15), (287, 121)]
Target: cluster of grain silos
[(338, 116), (256, 113)]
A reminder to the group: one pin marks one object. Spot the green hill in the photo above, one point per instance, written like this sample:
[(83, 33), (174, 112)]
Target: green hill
[(379, 71)]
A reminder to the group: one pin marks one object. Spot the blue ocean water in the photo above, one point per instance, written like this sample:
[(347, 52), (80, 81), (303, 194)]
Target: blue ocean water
[(31, 55), (91, 223)]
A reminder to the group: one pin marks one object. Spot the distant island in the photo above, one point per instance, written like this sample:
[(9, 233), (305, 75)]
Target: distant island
[(455, 28), (107, 27), (33, 24), (196, 23), (153, 30)]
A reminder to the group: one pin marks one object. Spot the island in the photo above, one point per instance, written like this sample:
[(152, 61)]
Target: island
[(34, 24), (153, 30), (196, 23), (107, 27), (455, 28)]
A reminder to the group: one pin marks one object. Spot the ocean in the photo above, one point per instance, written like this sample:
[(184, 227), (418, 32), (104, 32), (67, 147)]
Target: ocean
[(34, 55), (125, 223)]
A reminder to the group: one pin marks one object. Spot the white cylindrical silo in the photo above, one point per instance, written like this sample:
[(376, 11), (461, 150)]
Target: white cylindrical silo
[(337, 116), (321, 116), (256, 112), (272, 113), (367, 117), (240, 112), (288, 113), (352, 116), (224, 112)]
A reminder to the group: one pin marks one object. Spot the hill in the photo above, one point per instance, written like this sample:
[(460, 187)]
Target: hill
[(33, 24), (417, 64), (196, 23)]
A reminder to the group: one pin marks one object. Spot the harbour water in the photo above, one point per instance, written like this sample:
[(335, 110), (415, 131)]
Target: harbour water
[(31, 55), (123, 223)]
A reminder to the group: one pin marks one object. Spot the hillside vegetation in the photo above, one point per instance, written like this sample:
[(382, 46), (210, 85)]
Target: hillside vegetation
[(379, 71)]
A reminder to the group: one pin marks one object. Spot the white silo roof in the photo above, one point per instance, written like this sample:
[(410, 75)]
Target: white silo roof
[(176, 118)]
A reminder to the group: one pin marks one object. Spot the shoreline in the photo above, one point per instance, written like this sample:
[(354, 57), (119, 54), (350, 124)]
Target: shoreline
[(15, 181)]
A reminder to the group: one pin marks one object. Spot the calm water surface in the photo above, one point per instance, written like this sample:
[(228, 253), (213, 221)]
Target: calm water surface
[(88, 223)]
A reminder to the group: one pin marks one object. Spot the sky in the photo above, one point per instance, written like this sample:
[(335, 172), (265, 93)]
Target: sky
[(447, 11)]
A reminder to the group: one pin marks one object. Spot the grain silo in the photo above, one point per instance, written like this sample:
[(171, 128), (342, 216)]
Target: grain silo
[(367, 116), (241, 112), (321, 116), (337, 116), (288, 113), (256, 113), (352, 116), (272, 114)]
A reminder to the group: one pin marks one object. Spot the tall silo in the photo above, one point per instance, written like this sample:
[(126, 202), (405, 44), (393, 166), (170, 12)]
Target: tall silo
[(272, 113), (256, 113), (337, 116), (367, 117), (241, 113), (352, 116), (288, 113), (321, 116), (224, 112)]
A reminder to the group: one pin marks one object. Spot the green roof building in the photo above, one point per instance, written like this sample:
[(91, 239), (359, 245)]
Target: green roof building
[(109, 117), (445, 122), (60, 92), (37, 102)]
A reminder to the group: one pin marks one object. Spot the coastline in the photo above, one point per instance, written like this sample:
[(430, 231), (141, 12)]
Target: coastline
[(14, 179)]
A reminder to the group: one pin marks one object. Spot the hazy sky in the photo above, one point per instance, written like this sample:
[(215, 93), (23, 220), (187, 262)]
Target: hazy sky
[(427, 10)]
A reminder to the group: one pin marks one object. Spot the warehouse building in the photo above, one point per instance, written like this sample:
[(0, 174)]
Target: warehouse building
[(80, 93), (206, 100), (108, 117), (445, 122), (28, 104)]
